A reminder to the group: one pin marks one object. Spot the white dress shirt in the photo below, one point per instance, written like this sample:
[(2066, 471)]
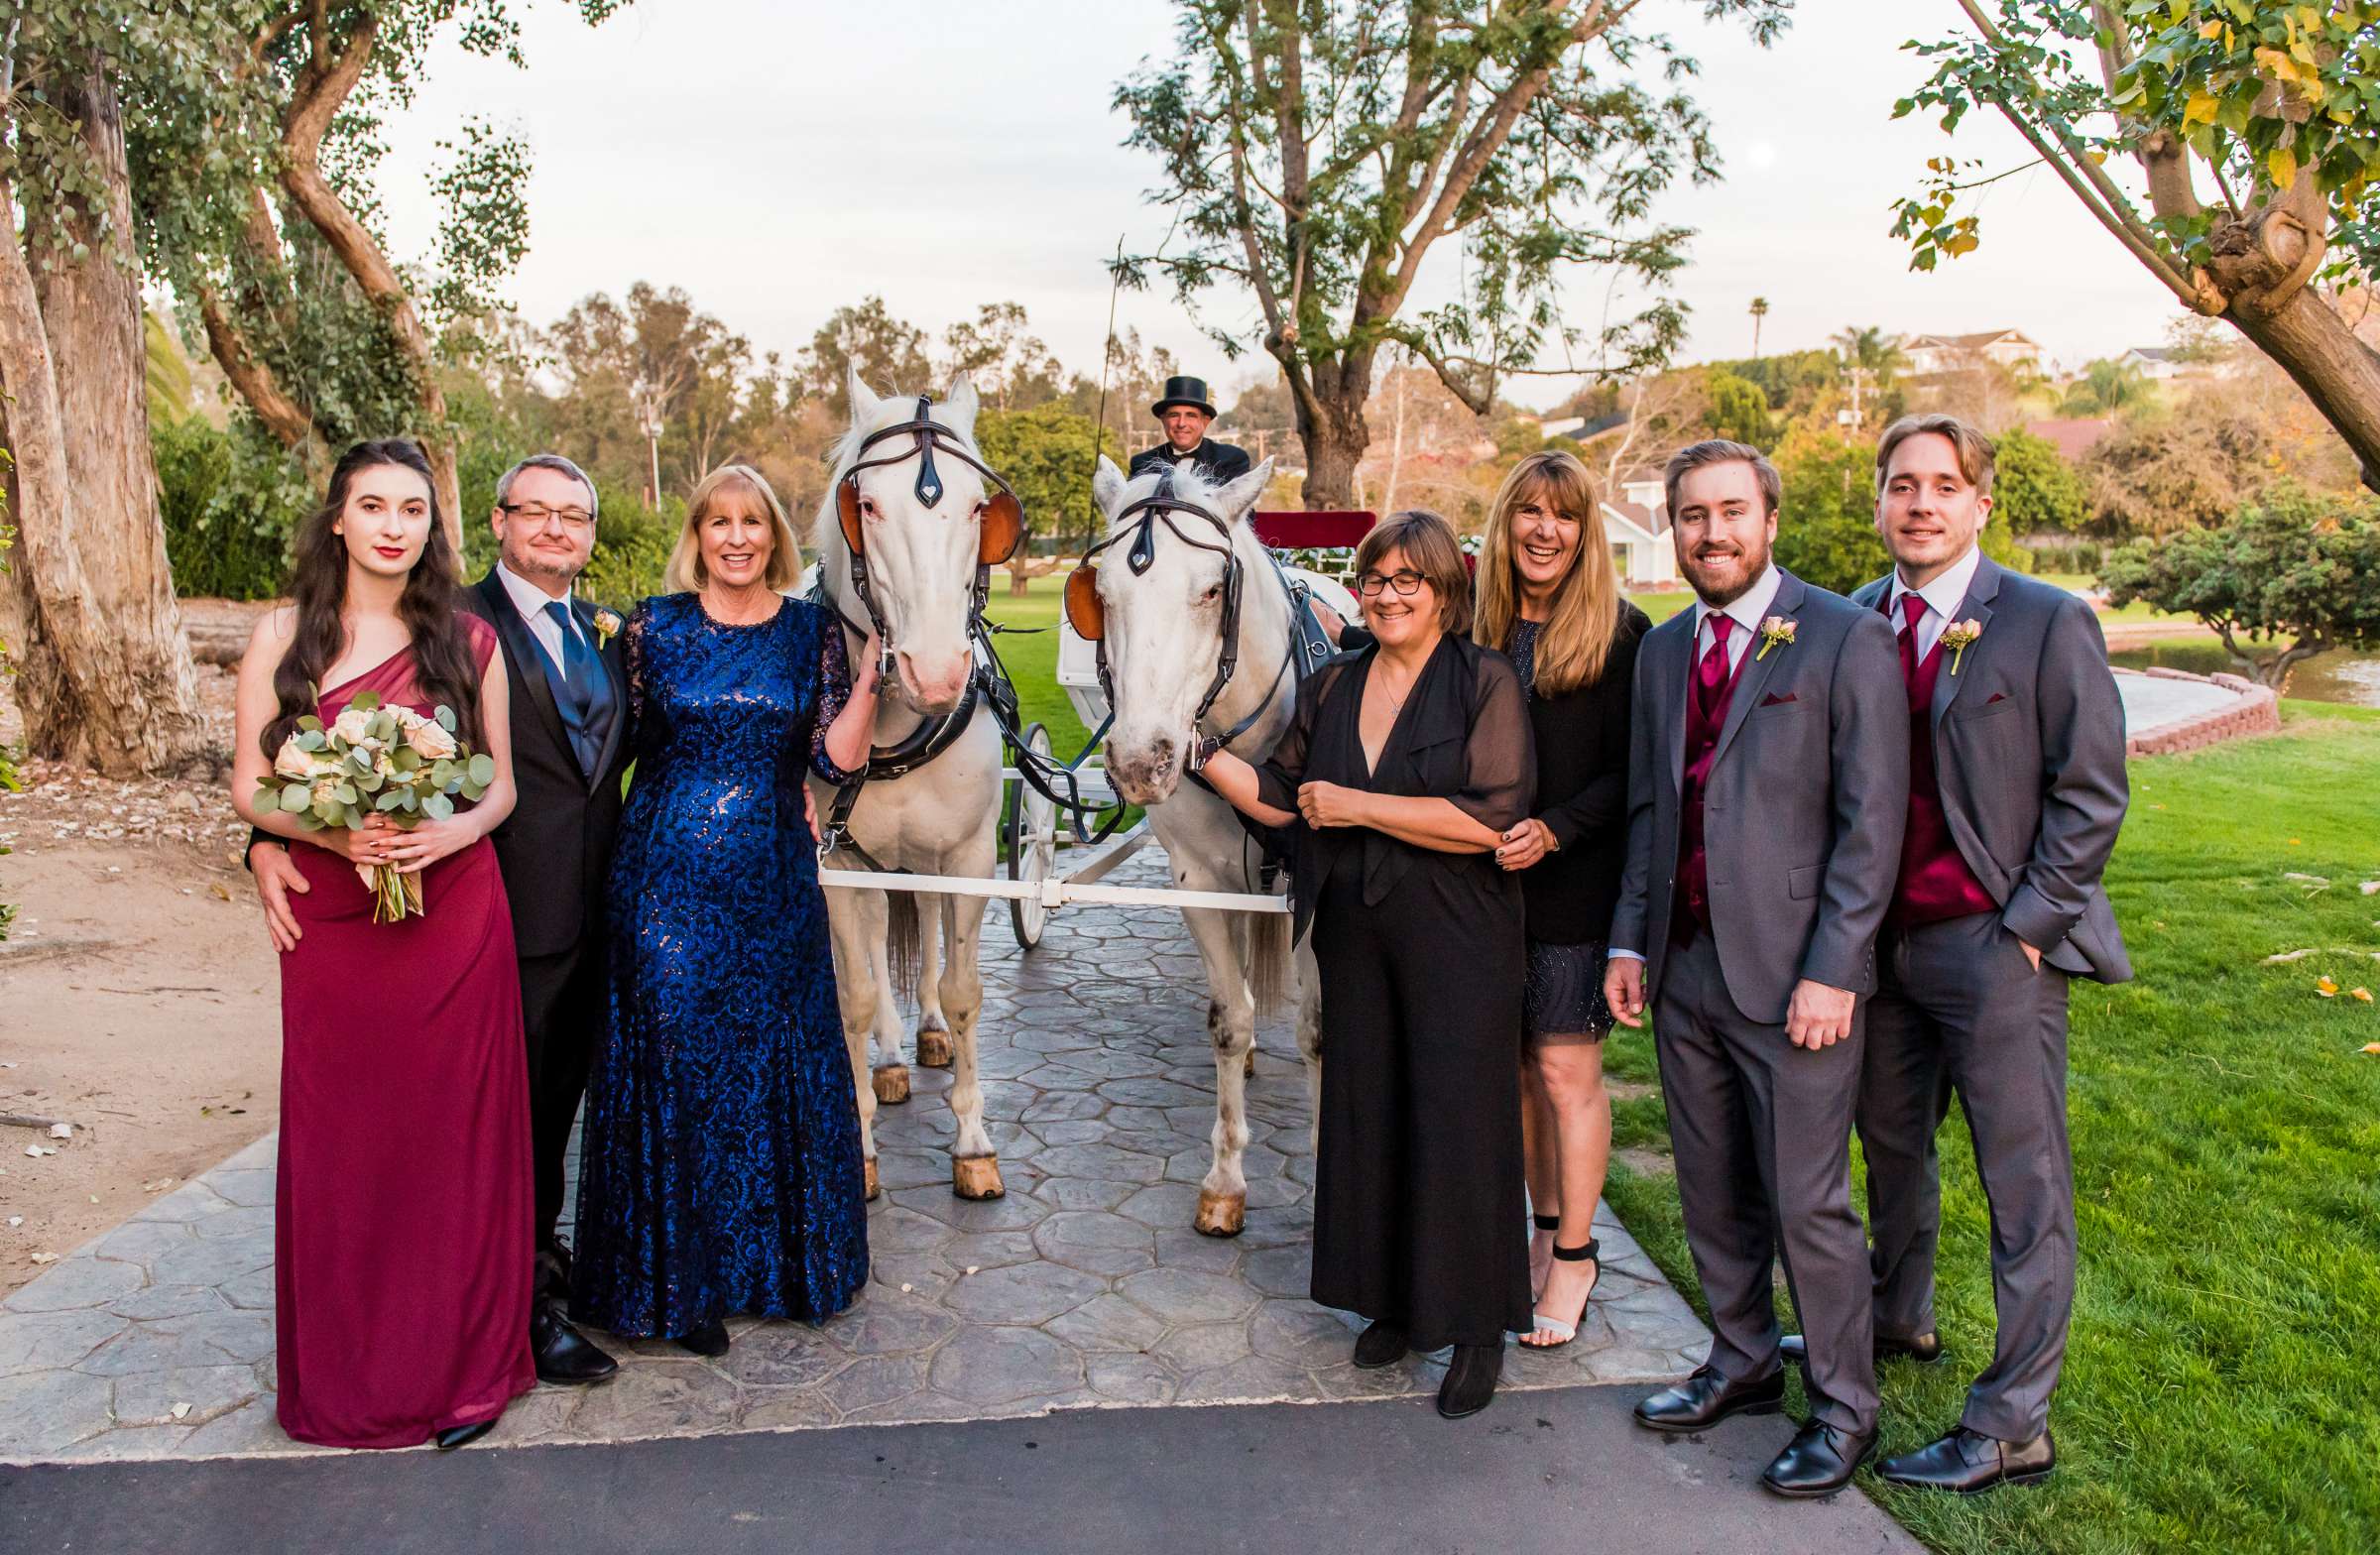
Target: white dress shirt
[(531, 600), (1943, 598), (1747, 610)]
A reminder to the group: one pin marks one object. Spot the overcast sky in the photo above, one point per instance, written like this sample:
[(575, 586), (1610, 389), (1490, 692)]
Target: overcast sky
[(777, 161)]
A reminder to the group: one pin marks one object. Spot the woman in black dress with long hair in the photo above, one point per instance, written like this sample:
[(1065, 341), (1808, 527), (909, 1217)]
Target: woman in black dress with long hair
[(1549, 600), (1407, 763)]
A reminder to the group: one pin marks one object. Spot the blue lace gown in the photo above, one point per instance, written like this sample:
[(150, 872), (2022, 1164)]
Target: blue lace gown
[(720, 1170)]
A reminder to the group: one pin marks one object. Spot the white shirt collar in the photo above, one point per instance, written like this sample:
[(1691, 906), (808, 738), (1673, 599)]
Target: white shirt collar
[(1749, 608), (1946, 593), (528, 597)]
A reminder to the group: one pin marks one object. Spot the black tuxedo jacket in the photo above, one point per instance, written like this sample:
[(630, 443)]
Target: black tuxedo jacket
[(1219, 462), (555, 848)]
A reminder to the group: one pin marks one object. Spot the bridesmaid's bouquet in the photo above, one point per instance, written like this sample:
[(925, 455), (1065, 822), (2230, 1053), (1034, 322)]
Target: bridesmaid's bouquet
[(376, 760)]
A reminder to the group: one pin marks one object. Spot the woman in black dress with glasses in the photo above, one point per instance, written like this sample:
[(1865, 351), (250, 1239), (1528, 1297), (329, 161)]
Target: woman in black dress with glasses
[(1407, 763)]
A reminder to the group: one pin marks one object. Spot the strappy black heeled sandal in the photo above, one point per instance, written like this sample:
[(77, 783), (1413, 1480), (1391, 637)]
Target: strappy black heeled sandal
[(1592, 1252)]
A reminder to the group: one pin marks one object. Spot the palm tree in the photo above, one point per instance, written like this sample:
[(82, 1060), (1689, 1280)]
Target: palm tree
[(2107, 387), (1870, 347), (1759, 312)]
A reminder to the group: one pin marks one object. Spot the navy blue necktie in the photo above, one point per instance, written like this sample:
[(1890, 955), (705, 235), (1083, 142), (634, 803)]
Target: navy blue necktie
[(584, 682)]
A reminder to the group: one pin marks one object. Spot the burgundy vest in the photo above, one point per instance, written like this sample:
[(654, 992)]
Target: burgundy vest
[(1690, 904), (1935, 882)]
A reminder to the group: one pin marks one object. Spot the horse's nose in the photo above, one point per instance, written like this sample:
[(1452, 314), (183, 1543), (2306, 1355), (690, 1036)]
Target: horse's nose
[(934, 684)]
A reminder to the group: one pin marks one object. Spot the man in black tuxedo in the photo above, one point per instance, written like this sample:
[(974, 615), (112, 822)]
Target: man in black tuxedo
[(1185, 413), (570, 714)]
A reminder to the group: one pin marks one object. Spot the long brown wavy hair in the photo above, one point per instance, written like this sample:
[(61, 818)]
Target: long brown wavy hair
[(442, 649), (1577, 636)]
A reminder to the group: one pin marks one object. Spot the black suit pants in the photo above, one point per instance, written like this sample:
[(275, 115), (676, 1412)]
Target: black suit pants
[(564, 1002)]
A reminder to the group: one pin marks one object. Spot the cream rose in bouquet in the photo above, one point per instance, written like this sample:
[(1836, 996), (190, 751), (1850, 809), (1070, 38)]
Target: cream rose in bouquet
[(376, 760)]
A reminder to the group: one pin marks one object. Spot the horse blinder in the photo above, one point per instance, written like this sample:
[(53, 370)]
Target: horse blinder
[(1003, 528), (1085, 611)]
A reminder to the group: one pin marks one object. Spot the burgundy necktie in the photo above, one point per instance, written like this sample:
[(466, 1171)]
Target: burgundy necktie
[(1711, 675), (1913, 609)]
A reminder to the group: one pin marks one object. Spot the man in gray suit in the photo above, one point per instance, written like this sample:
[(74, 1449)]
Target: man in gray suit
[(1767, 784), (2017, 791)]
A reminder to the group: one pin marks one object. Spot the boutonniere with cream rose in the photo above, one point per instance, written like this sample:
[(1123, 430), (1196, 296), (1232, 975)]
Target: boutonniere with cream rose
[(1959, 637), (376, 760), (1775, 632), (607, 625)]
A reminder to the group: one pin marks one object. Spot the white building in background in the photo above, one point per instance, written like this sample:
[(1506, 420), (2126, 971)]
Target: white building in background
[(2151, 361), (1638, 527), (2009, 348)]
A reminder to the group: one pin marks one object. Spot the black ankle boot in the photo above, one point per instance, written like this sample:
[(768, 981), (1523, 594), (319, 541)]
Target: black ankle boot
[(710, 1340), (1470, 1379), (1382, 1344)]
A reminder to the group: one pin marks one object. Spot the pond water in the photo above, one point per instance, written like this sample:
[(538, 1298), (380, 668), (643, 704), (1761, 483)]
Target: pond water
[(2353, 679)]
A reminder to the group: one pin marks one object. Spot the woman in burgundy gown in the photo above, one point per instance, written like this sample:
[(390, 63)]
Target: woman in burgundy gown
[(402, 1237)]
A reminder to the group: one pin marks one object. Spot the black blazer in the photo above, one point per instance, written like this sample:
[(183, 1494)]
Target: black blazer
[(555, 848), (1217, 462), (1582, 739)]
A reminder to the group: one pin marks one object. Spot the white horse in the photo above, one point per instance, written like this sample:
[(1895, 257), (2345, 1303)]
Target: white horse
[(1162, 634), (921, 534)]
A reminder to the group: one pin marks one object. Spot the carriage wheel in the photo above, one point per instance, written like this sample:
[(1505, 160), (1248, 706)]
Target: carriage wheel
[(1032, 838)]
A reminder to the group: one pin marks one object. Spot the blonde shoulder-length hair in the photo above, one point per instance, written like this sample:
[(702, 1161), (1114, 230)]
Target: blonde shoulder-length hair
[(1577, 636), (688, 572)]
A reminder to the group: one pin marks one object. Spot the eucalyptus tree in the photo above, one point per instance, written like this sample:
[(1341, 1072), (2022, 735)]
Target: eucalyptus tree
[(258, 205), (1316, 154), (102, 668), (2229, 148)]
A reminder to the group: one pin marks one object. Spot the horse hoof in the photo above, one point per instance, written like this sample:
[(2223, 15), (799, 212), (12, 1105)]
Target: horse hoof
[(933, 1047), (1221, 1214), (891, 1085), (977, 1177), (869, 1183)]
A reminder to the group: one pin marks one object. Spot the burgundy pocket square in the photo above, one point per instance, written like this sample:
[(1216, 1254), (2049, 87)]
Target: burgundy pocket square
[(1775, 700), (1996, 696)]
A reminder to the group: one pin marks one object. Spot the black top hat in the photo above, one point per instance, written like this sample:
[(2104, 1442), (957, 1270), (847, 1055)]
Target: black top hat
[(1183, 390)]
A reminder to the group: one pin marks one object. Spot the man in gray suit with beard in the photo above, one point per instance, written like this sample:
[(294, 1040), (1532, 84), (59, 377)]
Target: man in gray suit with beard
[(2017, 791), (1767, 785)]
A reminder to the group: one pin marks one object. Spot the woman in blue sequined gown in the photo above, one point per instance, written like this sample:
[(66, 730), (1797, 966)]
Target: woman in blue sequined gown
[(720, 1170)]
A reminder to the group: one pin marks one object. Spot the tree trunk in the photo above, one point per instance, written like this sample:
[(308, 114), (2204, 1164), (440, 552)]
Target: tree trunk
[(105, 673), (320, 93), (1330, 422)]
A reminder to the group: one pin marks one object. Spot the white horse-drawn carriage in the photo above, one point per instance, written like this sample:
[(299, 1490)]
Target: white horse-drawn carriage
[(1182, 618)]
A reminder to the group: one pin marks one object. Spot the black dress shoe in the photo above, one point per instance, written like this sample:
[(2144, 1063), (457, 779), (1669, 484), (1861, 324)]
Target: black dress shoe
[(1705, 1398), (564, 1354), (1820, 1460), (1971, 1463), (1470, 1379), (1382, 1344), (1925, 1348), (708, 1340), (462, 1435)]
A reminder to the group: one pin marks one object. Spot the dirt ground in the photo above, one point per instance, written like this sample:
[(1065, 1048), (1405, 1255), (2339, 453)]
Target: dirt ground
[(139, 998)]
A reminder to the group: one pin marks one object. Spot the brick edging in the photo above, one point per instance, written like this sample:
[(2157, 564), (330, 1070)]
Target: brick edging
[(2256, 710)]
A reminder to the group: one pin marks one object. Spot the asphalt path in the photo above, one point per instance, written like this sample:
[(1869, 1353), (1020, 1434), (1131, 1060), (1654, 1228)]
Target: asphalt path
[(1563, 1470)]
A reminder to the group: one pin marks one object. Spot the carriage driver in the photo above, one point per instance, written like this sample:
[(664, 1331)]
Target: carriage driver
[(1185, 413)]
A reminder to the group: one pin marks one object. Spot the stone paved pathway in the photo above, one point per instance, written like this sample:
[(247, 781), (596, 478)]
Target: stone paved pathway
[(1083, 1287)]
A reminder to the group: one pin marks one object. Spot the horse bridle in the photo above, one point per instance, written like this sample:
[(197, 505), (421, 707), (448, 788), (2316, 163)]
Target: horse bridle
[(1003, 531), (1088, 614), (1004, 515)]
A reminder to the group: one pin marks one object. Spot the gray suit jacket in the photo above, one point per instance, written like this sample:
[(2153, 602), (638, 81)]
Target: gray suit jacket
[(2029, 750), (1803, 813)]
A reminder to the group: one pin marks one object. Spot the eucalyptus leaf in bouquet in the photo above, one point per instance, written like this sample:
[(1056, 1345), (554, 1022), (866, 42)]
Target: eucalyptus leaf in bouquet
[(375, 759)]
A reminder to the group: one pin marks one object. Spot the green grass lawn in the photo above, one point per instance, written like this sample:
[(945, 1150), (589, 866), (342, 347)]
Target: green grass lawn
[(2222, 1383), (1030, 651)]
